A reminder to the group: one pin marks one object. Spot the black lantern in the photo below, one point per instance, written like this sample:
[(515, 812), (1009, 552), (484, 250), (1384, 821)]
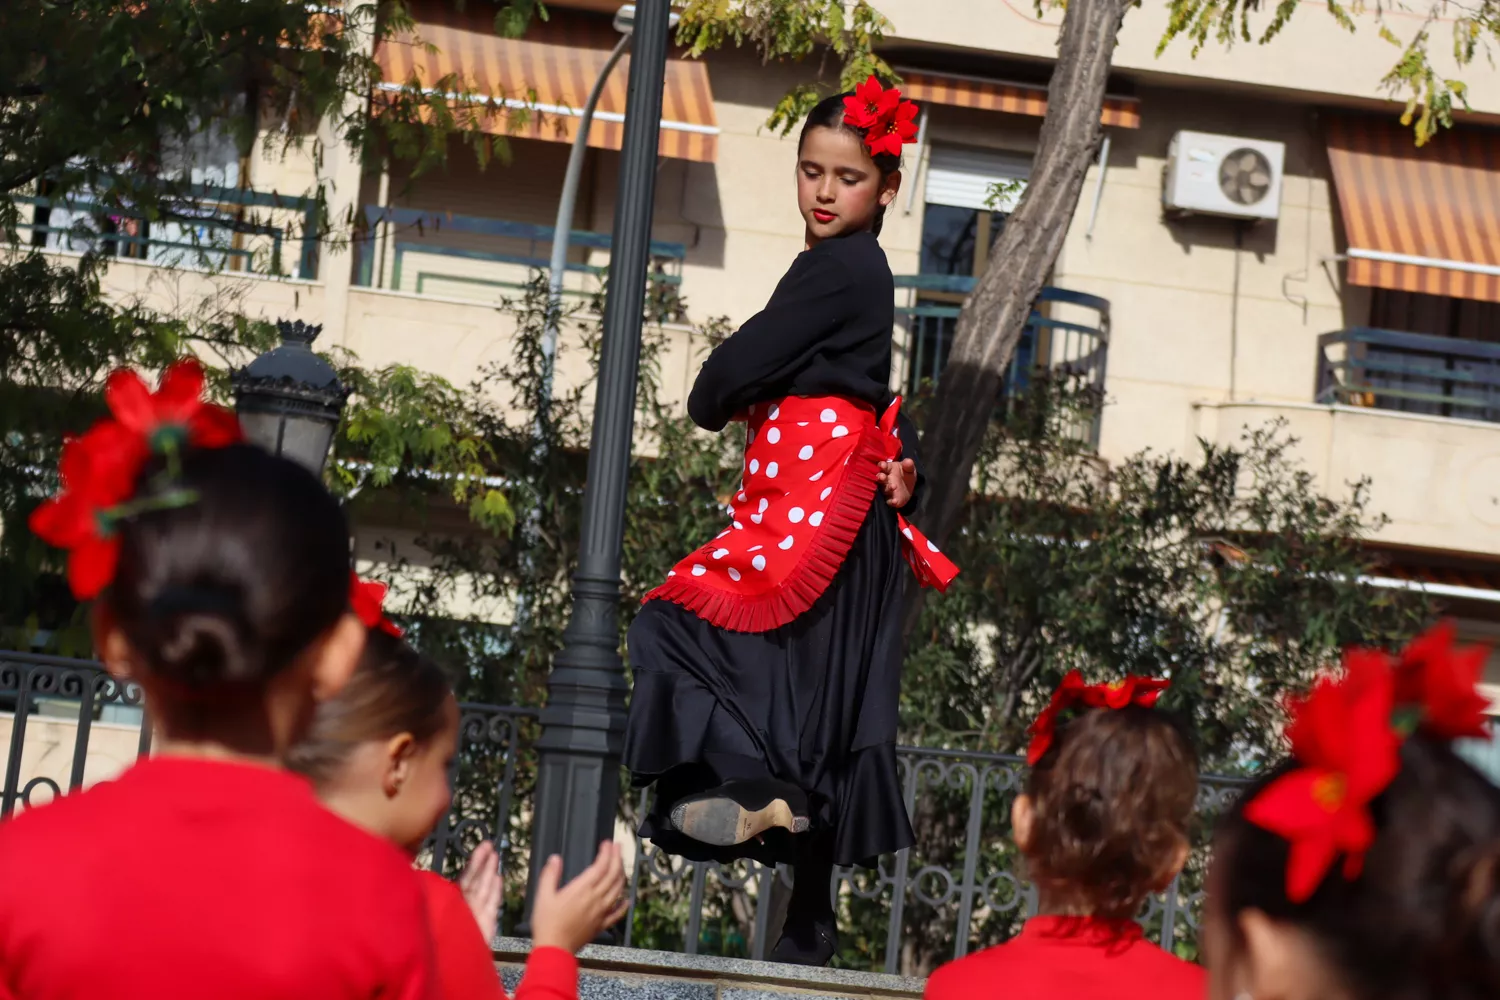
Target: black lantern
[(289, 399)]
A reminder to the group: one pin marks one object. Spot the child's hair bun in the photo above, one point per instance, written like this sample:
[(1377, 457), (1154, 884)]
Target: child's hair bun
[(228, 589)]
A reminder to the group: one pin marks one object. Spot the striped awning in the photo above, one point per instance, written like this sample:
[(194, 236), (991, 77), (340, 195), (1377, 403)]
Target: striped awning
[(1419, 219), (999, 95), (544, 78)]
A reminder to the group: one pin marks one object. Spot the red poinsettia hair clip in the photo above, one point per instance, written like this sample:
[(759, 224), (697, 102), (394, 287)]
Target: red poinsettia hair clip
[(888, 120), (367, 599), (98, 470), (1342, 738), (1437, 686), (1073, 693)]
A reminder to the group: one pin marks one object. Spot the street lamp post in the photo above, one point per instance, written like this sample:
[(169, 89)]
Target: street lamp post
[(289, 399), (578, 783)]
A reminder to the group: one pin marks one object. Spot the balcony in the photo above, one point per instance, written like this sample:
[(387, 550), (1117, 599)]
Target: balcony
[(1067, 335), (1416, 415)]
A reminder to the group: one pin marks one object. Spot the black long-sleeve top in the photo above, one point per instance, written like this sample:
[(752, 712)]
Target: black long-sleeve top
[(825, 332)]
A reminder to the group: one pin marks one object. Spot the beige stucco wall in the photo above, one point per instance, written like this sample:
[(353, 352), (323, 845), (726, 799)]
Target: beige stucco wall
[(48, 751)]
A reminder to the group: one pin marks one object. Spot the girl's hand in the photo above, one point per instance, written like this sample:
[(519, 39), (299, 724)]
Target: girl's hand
[(574, 915), (899, 481), (481, 887)]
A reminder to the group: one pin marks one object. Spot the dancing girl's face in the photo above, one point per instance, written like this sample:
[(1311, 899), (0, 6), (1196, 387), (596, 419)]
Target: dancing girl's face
[(839, 188)]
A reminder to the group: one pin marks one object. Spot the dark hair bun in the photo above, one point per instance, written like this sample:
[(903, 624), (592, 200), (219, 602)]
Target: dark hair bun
[(229, 589)]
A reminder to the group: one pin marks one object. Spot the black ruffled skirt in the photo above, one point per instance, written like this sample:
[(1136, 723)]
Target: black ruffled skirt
[(814, 703)]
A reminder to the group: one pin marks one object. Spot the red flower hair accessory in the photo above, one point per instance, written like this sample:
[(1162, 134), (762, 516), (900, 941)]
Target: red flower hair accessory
[(1133, 690), (99, 470), (1439, 683), (367, 599), (888, 120), (1341, 736)]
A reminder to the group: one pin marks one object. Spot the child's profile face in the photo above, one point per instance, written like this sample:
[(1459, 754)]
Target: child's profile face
[(423, 798), (839, 187)]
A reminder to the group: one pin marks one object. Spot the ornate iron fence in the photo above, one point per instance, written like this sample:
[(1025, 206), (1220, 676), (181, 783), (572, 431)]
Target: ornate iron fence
[(959, 888)]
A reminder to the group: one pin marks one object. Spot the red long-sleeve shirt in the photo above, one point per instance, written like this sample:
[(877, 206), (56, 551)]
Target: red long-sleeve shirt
[(187, 878), (1065, 957), (466, 967)]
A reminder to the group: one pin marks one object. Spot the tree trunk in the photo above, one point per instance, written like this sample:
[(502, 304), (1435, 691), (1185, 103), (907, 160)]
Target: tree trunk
[(994, 316)]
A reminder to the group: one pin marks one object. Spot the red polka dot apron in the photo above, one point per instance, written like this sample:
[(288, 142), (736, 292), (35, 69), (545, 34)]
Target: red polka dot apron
[(810, 468)]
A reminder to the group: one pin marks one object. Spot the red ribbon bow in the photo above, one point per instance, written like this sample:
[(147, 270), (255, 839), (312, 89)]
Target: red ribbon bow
[(99, 469), (888, 120), (1133, 690), (367, 599)]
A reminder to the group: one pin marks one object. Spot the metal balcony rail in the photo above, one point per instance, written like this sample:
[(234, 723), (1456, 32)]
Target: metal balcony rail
[(960, 888), (207, 233), (1410, 372), (402, 235)]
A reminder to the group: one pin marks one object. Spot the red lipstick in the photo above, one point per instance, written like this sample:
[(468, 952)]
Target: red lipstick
[(823, 217)]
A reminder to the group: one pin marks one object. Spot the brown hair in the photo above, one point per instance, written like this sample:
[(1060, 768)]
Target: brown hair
[(1112, 800), (394, 690)]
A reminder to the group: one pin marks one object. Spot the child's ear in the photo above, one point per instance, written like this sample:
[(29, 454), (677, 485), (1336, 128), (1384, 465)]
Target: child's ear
[(889, 189), (1174, 865), (399, 750), (1022, 815), (110, 643)]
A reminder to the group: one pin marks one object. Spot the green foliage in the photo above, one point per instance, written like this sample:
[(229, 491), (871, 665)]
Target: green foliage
[(793, 30)]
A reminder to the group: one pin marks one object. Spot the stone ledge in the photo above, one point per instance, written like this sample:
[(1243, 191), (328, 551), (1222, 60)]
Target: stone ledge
[(636, 974)]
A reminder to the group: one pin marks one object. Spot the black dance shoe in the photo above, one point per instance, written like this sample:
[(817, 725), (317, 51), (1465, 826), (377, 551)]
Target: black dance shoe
[(807, 940), (738, 811)]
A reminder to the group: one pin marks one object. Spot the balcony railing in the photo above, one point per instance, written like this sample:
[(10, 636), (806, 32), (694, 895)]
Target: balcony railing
[(1410, 372), (1067, 334), (961, 887), (417, 251), (221, 229)]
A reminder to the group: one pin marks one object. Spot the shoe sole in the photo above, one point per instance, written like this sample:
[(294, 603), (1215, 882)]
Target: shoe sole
[(725, 823)]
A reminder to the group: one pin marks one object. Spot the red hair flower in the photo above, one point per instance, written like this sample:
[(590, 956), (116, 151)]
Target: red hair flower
[(1440, 682), (888, 120), (367, 599), (175, 414), (99, 470), (1341, 736), (1133, 690)]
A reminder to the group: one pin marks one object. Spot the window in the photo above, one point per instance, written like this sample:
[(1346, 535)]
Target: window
[(959, 226)]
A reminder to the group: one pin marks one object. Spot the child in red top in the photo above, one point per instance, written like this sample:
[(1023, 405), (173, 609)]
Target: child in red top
[(1103, 823), (1368, 866), (208, 870), (379, 755)]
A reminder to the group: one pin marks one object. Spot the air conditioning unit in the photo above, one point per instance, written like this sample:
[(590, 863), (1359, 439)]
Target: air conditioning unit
[(1224, 175)]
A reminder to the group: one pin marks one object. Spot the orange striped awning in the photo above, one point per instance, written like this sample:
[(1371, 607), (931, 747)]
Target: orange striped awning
[(1419, 219), (545, 77), (999, 95)]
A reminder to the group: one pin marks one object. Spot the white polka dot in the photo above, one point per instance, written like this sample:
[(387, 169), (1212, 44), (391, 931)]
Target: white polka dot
[(757, 518), (840, 431), (775, 412), (756, 548), (786, 543), (734, 574), (752, 409), (806, 452), (931, 547), (773, 435), (720, 553), (742, 498), (907, 533), (802, 423), (671, 572), (754, 466), (815, 476), (827, 492), (699, 571), (772, 470), (816, 519), (795, 515), (764, 503), (759, 562), (828, 416), (749, 437), (722, 533), (738, 526), (896, 432)]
